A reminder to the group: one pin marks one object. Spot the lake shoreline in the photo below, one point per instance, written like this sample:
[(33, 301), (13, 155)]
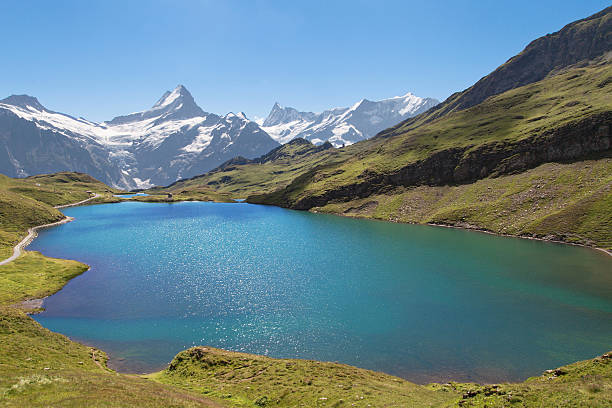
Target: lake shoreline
[(37, 303), (31, 236), (466, 227), (485, 231)]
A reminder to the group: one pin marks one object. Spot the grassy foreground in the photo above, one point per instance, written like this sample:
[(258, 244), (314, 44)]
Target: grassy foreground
[(247, 380)]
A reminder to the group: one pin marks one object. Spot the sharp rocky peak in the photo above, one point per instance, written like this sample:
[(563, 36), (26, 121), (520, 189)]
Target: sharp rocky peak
[(279, 115), (239, 115), (178, 95), (173, 105)]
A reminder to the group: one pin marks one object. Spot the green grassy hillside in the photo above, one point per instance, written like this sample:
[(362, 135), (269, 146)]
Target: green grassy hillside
[(240, 177), (246, 380)]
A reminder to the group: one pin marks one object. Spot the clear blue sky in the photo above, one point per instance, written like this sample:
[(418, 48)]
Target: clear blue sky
[(99, 59)]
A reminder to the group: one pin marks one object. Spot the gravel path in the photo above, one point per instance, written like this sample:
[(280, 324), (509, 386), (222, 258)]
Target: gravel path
[(78, 203), (32, 232)]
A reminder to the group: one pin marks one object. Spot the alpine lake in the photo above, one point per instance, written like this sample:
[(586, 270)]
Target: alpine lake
[(420, 302)]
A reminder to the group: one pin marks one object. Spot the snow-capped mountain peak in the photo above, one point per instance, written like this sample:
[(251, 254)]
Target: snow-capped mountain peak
[(180, 92), (179, 99), (280, 115), (175, 104), (343, 126)]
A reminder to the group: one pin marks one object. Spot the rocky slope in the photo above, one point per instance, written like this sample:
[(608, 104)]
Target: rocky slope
[(31, 142), (343, 126), (579, 41), (176, 139)]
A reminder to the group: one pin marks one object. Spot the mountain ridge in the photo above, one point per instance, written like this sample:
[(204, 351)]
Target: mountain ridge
[(576, 41), (343, 126)]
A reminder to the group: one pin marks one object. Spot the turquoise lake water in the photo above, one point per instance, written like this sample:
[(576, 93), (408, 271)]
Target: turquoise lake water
[(424, 303)]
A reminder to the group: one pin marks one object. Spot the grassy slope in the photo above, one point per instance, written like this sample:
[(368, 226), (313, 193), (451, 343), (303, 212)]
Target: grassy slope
[(563, 201), (239, 181), (583, 384), (250, 381), (34, 275)]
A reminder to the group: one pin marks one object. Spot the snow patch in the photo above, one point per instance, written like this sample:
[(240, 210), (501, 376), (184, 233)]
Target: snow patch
[(143, 184)]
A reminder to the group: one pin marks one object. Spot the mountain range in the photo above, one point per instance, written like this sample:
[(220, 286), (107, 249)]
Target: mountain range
[(174, 139), (343, 126)]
